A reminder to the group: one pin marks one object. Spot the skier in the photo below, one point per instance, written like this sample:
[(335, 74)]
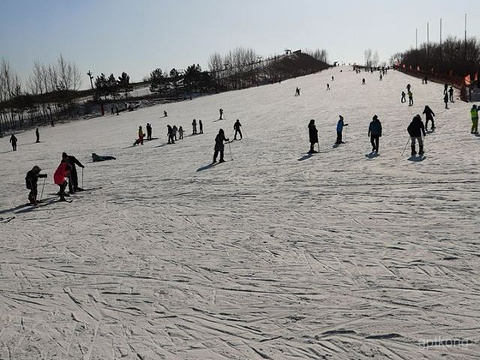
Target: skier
[(37, 134), (328, 86), (221, 113), (141, 135), (170, 135), (333, 78), (112, 110), (60, 177), (149, 131), (429, 114), (381, 77), (445, 89), (410, 98), (450, 92), (219, 139), (165, 114), (445, 100), (200, 125), (31, 182), (474, 113), (415, 130), (96, 158), (73, 178), (408, 87), (375, 132), (194, 125), (237, 126), (180, 133), (363, 81), (403, 99), (174, 130), (313, 135), (297, 91), (340, 126), (13, 140)]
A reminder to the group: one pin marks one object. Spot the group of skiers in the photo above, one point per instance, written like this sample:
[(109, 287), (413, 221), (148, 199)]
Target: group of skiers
[(13, 139), (65, 175), (416, 129)]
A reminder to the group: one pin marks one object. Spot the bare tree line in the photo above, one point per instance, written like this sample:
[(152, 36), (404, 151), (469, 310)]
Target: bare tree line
[(50, 92)]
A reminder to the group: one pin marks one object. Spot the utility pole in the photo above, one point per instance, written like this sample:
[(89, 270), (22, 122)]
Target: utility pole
[(90, 75)]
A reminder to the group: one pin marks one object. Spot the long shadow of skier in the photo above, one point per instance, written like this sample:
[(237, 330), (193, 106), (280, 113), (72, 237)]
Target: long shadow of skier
[(305, 157)]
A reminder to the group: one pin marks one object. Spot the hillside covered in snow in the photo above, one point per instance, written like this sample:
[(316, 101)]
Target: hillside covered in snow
[(274, 255)]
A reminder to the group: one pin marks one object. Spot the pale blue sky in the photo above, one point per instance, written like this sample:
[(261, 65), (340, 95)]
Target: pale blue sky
[(138, 36)]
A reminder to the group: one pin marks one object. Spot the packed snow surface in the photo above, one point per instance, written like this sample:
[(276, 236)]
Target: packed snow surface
[(274, 255)]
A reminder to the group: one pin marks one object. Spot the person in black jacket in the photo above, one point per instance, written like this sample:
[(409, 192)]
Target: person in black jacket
[(445, 100), (416, 130), (375, 132), (149, 131), (73, 177), (450, 92), (237, 126), (429, 114), (313, 135), (31, 183), (13, 140), (219, 146), (37, 134)]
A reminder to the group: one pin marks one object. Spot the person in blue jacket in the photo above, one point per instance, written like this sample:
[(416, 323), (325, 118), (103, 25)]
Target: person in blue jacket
[(375, 132), (340, 125)]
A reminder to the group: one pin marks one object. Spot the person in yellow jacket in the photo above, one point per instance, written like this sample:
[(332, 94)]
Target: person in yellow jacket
[(474, 113), (141, 135)]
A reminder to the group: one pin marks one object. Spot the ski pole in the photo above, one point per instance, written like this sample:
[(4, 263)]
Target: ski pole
[(41, 194), (405, 147), (82, 178), (230, 149)]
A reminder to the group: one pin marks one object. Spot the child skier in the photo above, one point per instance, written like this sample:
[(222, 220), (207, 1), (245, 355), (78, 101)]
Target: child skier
[(60, 177), (31, 183)]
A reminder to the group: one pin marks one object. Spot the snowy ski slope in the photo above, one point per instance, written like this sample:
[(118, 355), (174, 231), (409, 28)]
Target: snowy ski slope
[(335, 256)]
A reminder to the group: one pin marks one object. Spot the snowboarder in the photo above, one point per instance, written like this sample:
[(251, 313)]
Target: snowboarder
[(170, 135), (237, 126), (410, 98), (416, 130), (31, 182), (375, 132), (37, 134), (313, 136), (96, 158), (221, 114), (194, 125), (340, 125), (200, 125), (60, 177), (429, 114), (445, 100), (73, 178), (149, 131), (450, 92), (13, 140), (403, 99), (174, 130), (474, 114), (180, 133), (219, 139)]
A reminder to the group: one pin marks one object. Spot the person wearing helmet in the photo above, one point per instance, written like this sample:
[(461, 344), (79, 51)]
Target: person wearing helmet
[(31, 182)]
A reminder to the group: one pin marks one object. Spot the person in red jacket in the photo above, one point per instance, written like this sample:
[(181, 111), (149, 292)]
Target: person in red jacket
[(60, 176)]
